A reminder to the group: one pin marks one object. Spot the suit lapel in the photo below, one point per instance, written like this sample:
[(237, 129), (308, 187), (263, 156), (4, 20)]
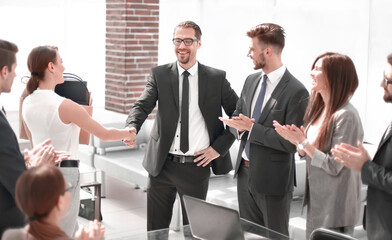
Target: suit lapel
[(274, 96), (384, 139), (203, 82), (173, 78), (253, 86)]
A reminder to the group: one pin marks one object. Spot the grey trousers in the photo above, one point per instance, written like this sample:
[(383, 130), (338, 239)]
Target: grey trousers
[(69, 223), (266, 210)]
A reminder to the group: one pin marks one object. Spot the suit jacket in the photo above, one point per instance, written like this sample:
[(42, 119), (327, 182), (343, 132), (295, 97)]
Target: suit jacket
[(334, 191), (163, 87), (271, 165), (377, 174), (11, 167)]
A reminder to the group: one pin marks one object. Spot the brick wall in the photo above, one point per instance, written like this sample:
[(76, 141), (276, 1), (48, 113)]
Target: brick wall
[(132, 28)]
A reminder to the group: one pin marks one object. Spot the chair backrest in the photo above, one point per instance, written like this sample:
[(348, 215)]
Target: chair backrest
[(326, 234), (74, 88)]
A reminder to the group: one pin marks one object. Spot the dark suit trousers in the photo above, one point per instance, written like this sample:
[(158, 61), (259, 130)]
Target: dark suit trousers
[(184, 178), (271, 211)]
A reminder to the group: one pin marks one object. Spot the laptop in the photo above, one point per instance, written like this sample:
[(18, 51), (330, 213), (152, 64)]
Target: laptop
[(211, 222)]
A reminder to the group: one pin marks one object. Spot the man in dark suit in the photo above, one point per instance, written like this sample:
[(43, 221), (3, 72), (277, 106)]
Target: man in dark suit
[(377, 174), (265, 164), (12, 162), (187, 137)]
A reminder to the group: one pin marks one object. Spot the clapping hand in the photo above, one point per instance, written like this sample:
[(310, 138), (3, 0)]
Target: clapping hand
[(44, 153), (95, 232), (351, 156), (291, 132), (241, 123)]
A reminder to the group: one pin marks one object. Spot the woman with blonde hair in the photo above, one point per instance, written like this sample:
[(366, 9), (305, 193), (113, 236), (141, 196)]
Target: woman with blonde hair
[(43, 196), (332, 191), (47, 115)]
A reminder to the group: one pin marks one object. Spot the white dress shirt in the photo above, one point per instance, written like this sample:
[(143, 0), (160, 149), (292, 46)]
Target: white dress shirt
[(198, 134), (272, 81)]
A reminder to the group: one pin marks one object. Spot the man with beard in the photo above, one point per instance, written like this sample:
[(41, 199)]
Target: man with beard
[(187, 137), (265, 164), (377, 174)]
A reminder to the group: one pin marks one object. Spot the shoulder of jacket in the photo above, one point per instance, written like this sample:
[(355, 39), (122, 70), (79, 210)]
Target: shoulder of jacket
[(210, 70)]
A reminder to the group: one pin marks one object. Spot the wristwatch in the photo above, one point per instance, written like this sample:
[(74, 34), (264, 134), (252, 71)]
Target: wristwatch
[(301, 146)]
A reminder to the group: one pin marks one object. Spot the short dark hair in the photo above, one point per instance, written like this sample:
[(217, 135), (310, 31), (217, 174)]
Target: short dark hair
[(190, 24), (8, 52), (268, 33)]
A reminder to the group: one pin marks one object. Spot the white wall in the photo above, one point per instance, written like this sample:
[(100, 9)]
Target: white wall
[(77, 27), (357, 28)]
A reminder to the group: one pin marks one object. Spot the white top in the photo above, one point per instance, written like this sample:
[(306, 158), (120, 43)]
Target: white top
[(41, 114), (272, 81), (198, 134)]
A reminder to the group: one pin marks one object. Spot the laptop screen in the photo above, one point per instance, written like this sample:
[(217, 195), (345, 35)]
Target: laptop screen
[(210, 221)]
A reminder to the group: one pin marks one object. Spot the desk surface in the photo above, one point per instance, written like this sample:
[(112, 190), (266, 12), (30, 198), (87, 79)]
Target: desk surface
[(185, 233)]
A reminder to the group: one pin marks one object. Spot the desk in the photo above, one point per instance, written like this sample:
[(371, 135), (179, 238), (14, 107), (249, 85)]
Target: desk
[(185, 233)]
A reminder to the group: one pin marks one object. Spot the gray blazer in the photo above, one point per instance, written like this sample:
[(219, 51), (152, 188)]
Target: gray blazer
[(215, 93), (377, 174), (271, 162), (332, 189)]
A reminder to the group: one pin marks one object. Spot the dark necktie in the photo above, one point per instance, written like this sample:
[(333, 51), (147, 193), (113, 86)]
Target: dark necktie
[(184, 141), (257, 110)]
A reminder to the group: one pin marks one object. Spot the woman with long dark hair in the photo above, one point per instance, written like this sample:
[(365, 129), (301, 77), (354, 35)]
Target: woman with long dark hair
[(47, 115), (43, 196), (332, 191)]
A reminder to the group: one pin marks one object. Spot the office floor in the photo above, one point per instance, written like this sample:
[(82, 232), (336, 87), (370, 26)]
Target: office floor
[(124, 208)]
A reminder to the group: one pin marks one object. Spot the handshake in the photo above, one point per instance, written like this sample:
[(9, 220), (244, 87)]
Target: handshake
[(131, 140)]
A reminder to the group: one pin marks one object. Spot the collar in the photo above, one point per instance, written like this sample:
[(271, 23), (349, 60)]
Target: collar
[(192, 71), (276, 75), (1, 104)]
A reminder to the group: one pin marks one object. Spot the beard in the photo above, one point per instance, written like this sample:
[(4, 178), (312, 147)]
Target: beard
[(387, 97), (259, 63), (183, 60)]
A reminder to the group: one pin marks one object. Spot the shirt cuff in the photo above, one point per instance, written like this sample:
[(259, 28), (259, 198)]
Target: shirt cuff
[(318, 158)]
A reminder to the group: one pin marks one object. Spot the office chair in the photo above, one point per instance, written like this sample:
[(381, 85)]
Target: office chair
[(326, 234)]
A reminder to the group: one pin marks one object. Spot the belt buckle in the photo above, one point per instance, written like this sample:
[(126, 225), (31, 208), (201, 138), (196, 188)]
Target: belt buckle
[(182, 159)]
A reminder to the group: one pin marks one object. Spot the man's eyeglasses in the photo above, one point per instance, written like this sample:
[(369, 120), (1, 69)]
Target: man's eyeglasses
[(387, 81), (187, 41)]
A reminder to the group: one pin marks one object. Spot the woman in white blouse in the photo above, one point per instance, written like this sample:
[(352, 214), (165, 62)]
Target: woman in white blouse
[(48, 115)]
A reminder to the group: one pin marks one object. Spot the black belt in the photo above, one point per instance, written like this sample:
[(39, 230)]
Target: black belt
[(180, 158), (69, 163)]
